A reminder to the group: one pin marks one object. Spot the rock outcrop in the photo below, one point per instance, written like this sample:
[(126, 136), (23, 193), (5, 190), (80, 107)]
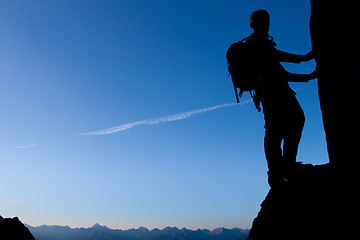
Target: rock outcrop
[(13, 228), (336, 48), (318, 202)]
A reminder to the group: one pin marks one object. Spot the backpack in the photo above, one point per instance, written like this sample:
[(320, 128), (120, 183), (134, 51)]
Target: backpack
[(242, 69)]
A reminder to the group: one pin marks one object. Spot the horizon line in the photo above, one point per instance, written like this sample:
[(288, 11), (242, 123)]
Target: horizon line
[(161, 229)]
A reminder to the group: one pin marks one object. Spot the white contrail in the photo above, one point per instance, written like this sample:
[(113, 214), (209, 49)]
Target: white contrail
[(154, 121), (26, 146)]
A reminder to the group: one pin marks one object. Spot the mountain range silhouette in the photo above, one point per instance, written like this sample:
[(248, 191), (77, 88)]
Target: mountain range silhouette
[(104, 233)]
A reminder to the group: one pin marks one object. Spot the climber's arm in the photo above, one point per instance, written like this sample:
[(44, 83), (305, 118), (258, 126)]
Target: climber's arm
[(293, 58), (293, 77)]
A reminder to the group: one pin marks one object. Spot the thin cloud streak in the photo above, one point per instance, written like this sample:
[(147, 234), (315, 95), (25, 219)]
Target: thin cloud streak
[(26, 146), (159, 120)]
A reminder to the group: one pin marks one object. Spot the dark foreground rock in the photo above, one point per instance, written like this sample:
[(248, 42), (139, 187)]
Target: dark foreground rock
[(318, 202), (14, 229)]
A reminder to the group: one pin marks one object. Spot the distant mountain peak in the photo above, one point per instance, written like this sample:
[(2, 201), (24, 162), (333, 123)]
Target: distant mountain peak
[(217, 231), (143, 229), (170, 228), (98, 226)]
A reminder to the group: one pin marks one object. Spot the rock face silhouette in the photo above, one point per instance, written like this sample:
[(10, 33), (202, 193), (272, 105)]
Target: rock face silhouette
[(315, 203), (333, 28), (13, 228), (320, 202)]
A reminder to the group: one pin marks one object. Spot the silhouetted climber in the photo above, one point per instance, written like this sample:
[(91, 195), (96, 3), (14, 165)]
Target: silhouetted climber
[(284, 117)]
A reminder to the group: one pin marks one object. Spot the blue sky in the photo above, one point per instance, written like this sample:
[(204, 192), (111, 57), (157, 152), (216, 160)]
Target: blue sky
[(70, 67)]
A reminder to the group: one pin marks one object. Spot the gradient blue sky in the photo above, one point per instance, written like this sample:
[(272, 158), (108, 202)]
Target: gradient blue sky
[(69, 67)]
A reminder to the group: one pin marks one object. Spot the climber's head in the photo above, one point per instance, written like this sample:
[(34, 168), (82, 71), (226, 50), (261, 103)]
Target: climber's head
[(260, 21)]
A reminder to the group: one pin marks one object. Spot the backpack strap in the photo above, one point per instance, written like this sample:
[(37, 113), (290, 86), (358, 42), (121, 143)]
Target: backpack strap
[(238, 95)]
